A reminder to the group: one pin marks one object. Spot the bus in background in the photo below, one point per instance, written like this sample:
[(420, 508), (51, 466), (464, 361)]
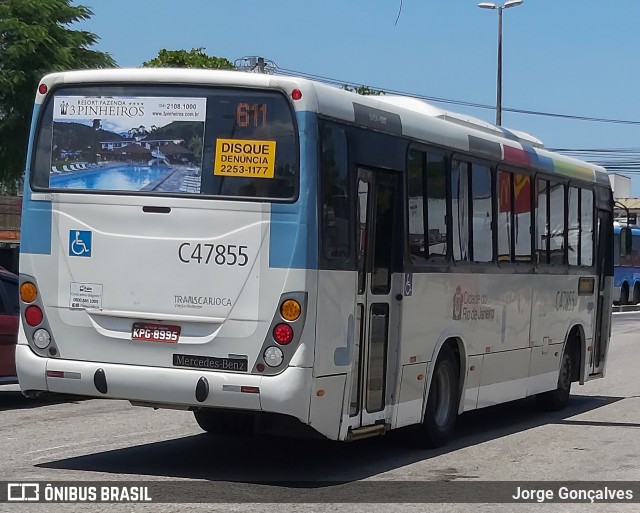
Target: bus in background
[(269, 251), (626, 274)]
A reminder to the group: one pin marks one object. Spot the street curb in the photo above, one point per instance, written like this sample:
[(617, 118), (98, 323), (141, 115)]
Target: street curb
[(625, 308)]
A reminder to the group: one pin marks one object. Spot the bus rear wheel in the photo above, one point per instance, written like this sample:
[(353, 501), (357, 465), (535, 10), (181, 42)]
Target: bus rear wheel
[(557, 399), (624, 294), (219, 422), (442, 403)]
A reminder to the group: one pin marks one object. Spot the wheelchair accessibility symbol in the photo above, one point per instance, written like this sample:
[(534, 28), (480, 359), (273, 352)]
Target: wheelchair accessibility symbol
[(80, 243)]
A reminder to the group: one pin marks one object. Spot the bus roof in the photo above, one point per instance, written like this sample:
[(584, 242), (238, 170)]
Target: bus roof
[(406, 116)]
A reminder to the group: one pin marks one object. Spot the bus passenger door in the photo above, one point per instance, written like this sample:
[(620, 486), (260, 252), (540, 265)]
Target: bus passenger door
[(379, 217), (604, 263)]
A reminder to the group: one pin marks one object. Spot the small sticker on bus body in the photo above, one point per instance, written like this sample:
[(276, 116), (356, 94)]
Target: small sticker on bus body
[(86, 296)]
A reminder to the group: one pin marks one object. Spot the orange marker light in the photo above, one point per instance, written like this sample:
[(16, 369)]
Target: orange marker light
[(28, 292), (320, 393), (290, 310)]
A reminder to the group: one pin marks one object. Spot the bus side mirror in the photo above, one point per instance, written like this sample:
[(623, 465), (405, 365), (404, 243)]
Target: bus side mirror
[(625, 241)]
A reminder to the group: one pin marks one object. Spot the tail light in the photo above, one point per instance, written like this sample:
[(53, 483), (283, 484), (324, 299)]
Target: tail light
[(33, 315), (283, 334)]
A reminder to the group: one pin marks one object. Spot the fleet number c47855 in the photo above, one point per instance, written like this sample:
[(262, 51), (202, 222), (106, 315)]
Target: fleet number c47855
[(218, 254)]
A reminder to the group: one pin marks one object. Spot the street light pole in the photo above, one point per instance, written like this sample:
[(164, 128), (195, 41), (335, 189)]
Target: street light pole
[(499, 8), (499, 85)]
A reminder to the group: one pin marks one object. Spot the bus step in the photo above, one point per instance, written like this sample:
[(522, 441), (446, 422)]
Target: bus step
[(366, 432)]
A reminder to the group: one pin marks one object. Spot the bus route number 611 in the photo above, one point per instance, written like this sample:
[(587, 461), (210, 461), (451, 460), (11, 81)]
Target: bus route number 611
[(219, 254)]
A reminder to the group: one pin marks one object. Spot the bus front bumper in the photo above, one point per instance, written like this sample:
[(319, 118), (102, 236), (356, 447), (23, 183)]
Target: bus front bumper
[(287, 393)]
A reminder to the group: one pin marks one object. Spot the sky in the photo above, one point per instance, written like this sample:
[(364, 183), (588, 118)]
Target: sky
[(570, 57)]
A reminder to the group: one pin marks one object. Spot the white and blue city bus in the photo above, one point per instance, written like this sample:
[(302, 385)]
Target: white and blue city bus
[(260, 248)]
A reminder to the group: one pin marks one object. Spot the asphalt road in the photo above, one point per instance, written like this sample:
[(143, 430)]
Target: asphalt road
[(597, 437)]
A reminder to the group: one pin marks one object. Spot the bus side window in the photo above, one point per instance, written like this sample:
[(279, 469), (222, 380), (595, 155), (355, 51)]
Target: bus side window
[(460, 210), (513, 192), (573, 230), (482, 213), (635, 250), (436, 174), (335, 195), (427, 206), (522, 217), (586, 228), (415, 198), (542, 222), (504, 222), (580, 229), (556, 223)]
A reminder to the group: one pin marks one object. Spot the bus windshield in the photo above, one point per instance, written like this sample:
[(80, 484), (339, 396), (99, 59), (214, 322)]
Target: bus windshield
[(167, 140)]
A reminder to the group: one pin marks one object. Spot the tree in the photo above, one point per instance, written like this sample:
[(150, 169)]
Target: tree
[(36, 39), (195, 58)]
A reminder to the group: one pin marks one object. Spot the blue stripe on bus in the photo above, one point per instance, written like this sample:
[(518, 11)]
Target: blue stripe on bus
[(35, 235), (293, 241), (538, 161)]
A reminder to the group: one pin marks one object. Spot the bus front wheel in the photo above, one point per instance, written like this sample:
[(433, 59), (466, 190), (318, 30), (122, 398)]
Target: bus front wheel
[(442, 403)]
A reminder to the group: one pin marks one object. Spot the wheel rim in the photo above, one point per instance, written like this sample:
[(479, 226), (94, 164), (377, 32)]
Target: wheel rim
[(443, 396)]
